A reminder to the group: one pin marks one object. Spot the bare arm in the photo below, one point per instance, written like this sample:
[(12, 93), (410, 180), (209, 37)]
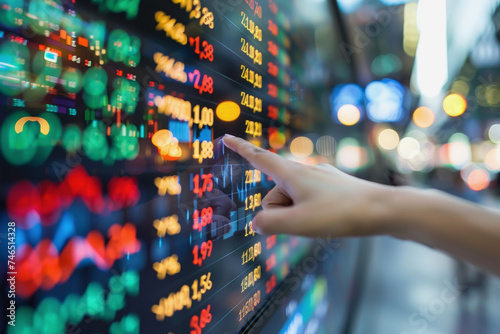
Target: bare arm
[(320, 200)]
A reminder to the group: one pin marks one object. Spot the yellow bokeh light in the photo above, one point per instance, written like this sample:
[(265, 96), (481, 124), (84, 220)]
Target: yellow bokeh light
[(301, 147), (454, 105), (388, 139), (348, 115), (423, 117), (228, 111)]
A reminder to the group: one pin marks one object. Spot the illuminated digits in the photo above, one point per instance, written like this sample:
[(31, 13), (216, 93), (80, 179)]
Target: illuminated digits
[(272, 27), (168, 225), (177, 301), (251, 253), (253, 201), (250, 76), (249, 230), (205, 117), (207, 84), (253, 176), (204, 220), (207, 150), (208, 49), (271, 284), (250, 279), (250, 305), (199, 322), (169, 265), (173, 29), (254, 128), (207, 18), (168, 184), (202, 252), (251, 102), (272, 48), (208, 184), (271, 262)]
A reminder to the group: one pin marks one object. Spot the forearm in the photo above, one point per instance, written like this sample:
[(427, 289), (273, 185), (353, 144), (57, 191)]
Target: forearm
[(462, 229)]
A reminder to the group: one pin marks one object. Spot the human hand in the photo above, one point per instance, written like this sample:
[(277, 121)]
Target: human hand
[(314, 201)]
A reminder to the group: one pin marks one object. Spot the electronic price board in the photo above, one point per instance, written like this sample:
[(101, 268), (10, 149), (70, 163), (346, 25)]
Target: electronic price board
[(122, 211)]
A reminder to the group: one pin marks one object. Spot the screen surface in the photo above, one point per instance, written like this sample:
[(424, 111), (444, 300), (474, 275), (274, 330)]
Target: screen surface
[(125, 211)]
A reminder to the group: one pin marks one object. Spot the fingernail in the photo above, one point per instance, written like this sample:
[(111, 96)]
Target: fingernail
[(228, 135)]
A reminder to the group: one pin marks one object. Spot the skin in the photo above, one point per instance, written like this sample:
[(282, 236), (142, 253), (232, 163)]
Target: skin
[(320, 201)]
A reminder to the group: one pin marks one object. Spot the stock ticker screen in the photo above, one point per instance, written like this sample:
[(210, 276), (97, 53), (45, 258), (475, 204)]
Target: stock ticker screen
[(122, 211)]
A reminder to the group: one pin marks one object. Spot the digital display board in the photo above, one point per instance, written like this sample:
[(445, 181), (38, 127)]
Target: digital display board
[(123, 210)]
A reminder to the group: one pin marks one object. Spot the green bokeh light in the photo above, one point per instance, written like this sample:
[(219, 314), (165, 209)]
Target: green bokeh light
[(9, 17), (95, 81), (95, 144), (72, 138), (42, 12), (73, 80)]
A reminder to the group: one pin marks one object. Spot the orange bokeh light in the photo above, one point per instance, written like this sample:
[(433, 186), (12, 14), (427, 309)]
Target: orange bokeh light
[(423, 117), (478, 180)]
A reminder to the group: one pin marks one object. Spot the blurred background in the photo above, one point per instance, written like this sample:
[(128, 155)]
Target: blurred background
[(416, 101)]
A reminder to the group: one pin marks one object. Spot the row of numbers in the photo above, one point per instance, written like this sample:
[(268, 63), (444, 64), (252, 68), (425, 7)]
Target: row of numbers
[(251, 52), (250, 279), (250, 305), (182, 299), (251, 102), (253, 201), (250, 76), (251, 253), (250, 25)]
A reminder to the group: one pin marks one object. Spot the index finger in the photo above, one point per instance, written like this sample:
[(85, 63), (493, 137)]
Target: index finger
[(267, 162)]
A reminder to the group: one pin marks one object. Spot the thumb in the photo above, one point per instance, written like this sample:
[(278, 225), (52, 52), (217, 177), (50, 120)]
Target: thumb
[(283, 220)]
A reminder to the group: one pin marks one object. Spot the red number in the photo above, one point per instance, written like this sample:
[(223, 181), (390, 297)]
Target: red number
[(270, 241), (207, 84), (273, 7), (272, 112), (270, 284), (272, 48), (206, 218), (272, 90), (208, 184), (208, 49), (272, 69), (119, 73), (272, 27), (201, 253), (199, 322), (271, 262)]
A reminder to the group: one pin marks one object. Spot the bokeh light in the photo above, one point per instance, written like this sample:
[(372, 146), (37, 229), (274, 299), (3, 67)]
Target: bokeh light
[(277, 140), (459, 150), (388, 139), (385, 101), (408, 148), (494, 133), (326, 145), (351, 156), (492, 159), (454, 105), (349, 115), (228, 111), (301, 147), (423, 117), (478, 180)]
